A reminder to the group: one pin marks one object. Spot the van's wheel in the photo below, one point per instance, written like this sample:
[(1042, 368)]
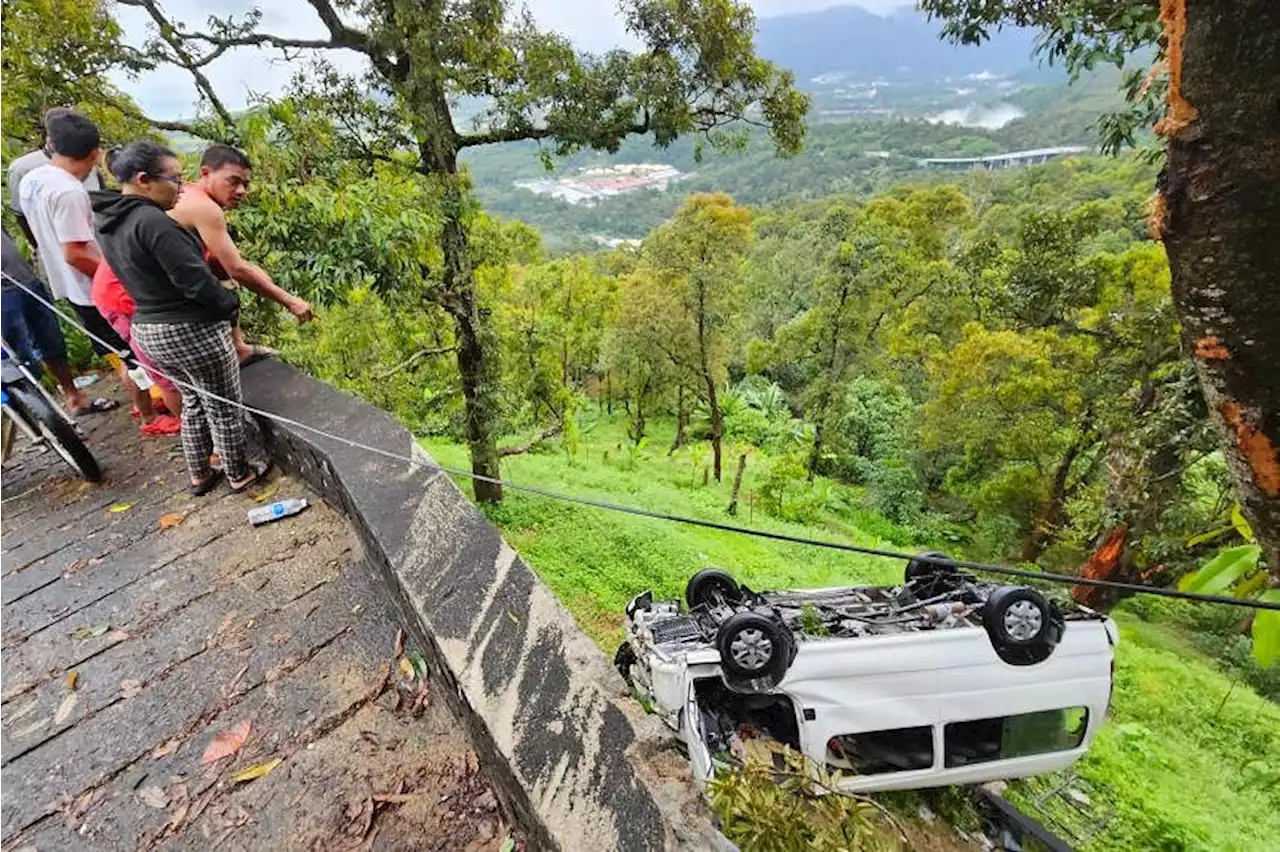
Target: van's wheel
[(931, 579), (1024, 627), (623, 660), (754, 647), (918, 568), (712, 586)]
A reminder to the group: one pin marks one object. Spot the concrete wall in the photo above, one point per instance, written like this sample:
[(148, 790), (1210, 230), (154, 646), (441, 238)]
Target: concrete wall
[(576, 762)]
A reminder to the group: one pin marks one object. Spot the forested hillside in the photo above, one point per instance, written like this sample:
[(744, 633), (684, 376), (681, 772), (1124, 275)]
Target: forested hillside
[(807, 333)]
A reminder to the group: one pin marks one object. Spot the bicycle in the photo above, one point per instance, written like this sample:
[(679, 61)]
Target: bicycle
[(30, 409)]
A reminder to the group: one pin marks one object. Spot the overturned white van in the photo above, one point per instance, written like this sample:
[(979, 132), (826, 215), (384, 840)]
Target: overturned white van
[(942, 680)]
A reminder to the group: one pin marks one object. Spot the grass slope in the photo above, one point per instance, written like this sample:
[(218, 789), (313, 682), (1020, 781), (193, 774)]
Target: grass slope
[(596, 560), (1190, 759)]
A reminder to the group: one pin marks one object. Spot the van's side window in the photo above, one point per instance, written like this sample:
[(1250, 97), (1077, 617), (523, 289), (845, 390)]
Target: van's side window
[(877, 752), (1004, 737)]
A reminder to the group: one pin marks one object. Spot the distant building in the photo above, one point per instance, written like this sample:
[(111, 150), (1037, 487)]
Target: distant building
[(590, 185), (1032, 157)]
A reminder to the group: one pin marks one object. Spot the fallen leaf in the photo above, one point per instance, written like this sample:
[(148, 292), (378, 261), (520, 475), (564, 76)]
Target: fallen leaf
[(508, 845), (154, 796), (85, 632), (130, 688), (267, 493), (66, 708), (399, 649), (73, 677), (171, 519), (166, 749), (515, 619), (120, 507), (226, 743), (257, 771), (406, 668)]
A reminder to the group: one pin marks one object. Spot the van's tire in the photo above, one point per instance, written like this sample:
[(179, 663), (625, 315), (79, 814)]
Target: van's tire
[(932, 579), (623, 660), (711, 586), (754, 648), (917, 568), (1023, 625), (58, 433)]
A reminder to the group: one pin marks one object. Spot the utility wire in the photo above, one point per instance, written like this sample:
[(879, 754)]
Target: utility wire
[(681, 519)]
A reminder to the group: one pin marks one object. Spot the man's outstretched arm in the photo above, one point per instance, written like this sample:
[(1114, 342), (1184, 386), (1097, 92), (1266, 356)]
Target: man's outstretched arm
[(211, 222)]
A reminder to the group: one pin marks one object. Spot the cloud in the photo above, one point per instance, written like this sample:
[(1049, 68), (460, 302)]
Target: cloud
[(238, 74)]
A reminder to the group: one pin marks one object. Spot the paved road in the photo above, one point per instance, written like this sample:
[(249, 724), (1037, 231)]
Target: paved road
[(140, 623)]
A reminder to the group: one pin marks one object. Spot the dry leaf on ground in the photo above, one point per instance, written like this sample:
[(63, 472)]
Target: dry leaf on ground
[(257, 771), (154, 796), (171, 519), (267, 493), (66, 708), (90, 632), (406, 668), (120, 507), (73, 678), (166, 749), (226, 743), (130, 688)]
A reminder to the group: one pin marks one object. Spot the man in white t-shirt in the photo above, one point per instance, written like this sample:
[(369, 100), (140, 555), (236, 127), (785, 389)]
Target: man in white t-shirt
[(20, 167), (57, 208)]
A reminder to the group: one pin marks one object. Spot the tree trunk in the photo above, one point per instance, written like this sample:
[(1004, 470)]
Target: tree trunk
[(477, 354), (815, 453), (737, 484), (1045, 529), (1222, 198), (477, 392), (717, 421), (682, 422)]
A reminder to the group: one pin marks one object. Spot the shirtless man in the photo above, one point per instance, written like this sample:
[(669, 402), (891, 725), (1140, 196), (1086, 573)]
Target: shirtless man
[(224, 180)]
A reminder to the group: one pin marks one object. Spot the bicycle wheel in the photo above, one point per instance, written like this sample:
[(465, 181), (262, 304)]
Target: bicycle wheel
[(58, 433)]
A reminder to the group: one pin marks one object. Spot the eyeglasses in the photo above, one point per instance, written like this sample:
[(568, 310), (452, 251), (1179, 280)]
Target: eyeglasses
[(176, 180)]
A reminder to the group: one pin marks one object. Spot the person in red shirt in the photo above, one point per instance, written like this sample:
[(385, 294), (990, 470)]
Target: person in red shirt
[(117, 308)]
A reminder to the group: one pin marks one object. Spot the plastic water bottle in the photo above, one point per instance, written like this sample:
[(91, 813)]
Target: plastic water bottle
[(276, 511)]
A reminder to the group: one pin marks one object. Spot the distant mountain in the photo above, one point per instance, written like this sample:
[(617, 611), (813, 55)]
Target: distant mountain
[(902, 45)]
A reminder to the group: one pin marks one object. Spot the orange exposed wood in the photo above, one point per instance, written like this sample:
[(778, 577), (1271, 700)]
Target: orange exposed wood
[(1102, 563), (1262, 456), (1173, 14), (1211, 348)]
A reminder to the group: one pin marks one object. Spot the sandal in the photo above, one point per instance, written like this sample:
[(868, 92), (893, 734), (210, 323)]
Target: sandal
[(203, 488), (97, 406), (257, 353), (257, 470)]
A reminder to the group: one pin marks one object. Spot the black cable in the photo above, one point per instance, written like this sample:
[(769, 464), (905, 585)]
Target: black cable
[(698, 522)]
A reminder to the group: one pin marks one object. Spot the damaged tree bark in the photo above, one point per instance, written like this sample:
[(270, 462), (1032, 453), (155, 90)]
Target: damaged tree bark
[(1221, 230)]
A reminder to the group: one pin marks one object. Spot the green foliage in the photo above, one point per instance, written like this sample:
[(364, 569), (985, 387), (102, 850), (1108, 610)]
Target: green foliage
[(1174, 717), (1223, 571), (764, 809), (1266, 631)]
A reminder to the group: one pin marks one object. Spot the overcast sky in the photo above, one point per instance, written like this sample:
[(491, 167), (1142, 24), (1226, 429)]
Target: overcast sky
[(168, 93)]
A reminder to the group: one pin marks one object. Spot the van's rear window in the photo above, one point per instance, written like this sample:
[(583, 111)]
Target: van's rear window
[(1004, 737), (878, 752)]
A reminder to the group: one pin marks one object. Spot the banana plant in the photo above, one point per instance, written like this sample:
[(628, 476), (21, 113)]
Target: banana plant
[(1238, 571)]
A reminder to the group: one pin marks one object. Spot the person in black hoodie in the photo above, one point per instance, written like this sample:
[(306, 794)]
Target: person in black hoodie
[(184, 315)]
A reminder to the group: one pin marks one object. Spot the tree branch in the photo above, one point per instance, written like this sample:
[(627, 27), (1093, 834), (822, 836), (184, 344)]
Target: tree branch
[(173, 37), (413, 359), (545, 434)]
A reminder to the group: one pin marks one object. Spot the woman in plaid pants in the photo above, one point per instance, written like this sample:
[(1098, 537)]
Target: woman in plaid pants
[(184, 315)]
